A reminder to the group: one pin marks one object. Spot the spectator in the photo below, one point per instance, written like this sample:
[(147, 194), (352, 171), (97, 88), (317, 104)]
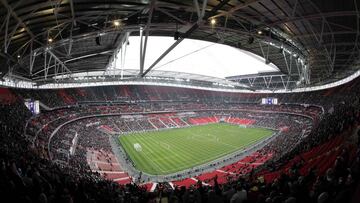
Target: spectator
[(240, 196)]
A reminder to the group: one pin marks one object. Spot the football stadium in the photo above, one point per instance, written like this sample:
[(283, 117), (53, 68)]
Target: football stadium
[(191, 101)]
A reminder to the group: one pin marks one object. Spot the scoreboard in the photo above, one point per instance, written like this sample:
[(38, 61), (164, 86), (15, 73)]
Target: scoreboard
[(33, 106), (269, 101)]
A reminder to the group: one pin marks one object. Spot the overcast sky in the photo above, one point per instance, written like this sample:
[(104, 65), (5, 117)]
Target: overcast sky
[(195, 56)]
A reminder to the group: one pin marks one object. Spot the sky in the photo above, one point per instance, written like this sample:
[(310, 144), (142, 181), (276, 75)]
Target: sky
[(196, 57)]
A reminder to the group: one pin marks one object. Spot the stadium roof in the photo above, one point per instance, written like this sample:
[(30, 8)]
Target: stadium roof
[(310, 41)]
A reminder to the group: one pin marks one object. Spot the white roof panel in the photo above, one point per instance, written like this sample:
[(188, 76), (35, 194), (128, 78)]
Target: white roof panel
[(194, 57)]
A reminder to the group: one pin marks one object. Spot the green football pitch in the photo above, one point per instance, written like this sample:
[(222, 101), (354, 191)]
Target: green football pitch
[(168, 151)]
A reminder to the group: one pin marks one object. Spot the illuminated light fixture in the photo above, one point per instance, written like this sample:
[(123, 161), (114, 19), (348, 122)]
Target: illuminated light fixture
[(116, 23), (18, 56), (259, 32), (50, 40), (213, 21)]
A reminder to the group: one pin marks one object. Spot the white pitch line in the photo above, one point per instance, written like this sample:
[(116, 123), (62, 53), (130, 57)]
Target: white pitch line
[(124, 178), (104, 162), (110, 172), (213, 141)]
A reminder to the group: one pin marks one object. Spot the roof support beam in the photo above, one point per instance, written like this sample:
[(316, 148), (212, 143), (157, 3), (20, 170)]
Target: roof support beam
[(171, 15), (8, 57), (4, 21), (197, 8), (200, 12), (32, 57), (269, 81), (236, 8), (6, 32), (324, 34), (355, 50), (70, 40), (88, 55), (52, 61), (238, 21), (14, 15), (9, 35), (72, 11), (265, 55), (314, 17), (321, 44), (143, 44), (59, 61), (294, 9), (288, 66), (123, 56), (282, 81)]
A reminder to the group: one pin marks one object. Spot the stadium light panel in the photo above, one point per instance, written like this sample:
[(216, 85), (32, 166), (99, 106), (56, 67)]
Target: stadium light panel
[(116, 23)]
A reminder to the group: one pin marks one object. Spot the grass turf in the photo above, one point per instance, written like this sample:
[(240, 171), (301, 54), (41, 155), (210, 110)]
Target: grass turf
[(169, 151)]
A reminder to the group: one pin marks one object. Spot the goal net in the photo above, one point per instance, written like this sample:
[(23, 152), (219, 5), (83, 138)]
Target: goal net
[(137, 147)]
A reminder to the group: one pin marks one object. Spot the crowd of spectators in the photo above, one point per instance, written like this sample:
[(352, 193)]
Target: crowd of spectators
[(135, 93), (62, 141), (91, 133), (27, 175)]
